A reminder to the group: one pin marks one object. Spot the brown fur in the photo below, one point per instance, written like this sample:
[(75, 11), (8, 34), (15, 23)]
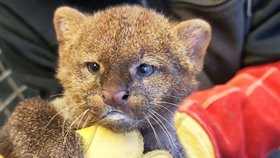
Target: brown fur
[(119, 39)]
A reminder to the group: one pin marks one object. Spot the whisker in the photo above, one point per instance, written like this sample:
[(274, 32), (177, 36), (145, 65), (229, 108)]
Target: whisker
[(65, 119), (86, 120), (80, 116), (172, 126), (166, 131), (79, 124), (168, 103), (83, 125), (175, 97), (171, 112), (155, 134), (160, 125), (54, 117), (69, 128)]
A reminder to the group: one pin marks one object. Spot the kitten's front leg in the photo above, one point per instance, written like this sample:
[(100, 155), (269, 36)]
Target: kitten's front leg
[(34, 132)]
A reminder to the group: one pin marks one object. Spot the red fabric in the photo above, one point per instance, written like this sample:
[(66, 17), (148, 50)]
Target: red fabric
[(242, 117)]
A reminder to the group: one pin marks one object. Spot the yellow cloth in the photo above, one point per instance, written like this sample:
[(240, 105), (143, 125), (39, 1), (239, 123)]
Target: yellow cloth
[(193, 137), (100, 142)]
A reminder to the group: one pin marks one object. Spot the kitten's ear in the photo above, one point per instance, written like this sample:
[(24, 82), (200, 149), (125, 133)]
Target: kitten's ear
[(67, 21), (195, 35)]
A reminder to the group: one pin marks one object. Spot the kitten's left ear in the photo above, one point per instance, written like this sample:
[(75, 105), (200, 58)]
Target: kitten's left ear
[(67, 22), (195, 35)]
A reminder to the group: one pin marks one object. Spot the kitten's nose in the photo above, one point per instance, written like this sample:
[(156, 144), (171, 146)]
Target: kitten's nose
[(119, 98)]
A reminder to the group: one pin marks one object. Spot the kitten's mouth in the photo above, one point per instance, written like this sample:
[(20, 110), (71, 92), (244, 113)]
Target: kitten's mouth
[(117, 120), (113, 114), (117, 114)]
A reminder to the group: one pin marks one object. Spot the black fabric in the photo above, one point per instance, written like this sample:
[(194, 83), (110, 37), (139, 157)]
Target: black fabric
[(262, 44), (28, 42), (227, 19), (27, 38), (245, 32)]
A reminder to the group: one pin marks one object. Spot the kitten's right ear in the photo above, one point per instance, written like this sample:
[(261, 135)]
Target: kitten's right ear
[(195, 35), (67, 21)]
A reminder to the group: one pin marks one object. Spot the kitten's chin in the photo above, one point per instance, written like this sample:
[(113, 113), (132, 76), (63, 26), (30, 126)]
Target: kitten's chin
[(118, 122)]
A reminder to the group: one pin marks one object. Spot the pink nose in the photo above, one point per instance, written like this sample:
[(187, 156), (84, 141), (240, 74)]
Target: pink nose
[(119, 98)]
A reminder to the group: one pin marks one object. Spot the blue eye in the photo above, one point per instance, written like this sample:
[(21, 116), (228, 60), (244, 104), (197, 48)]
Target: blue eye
[(144, 70), (93, 67)]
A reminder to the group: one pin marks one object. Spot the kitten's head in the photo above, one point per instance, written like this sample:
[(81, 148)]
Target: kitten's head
[(124, 65)]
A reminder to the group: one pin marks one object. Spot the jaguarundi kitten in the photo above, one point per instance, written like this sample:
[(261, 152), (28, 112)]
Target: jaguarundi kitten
[(125, 68)]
